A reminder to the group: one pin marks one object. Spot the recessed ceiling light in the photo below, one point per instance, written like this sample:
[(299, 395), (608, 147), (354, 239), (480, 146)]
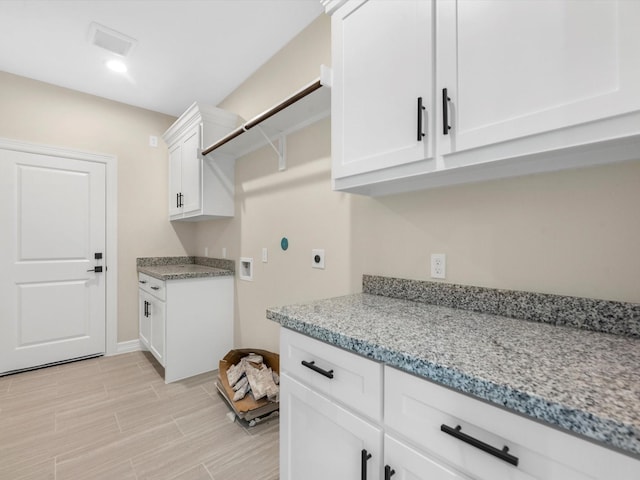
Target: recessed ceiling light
[(117, 66)]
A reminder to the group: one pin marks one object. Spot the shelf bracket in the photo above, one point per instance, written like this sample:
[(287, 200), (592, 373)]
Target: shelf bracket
[(280, 149)]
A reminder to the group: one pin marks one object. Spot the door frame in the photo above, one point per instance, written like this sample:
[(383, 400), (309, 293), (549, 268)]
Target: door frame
[(111, 203)]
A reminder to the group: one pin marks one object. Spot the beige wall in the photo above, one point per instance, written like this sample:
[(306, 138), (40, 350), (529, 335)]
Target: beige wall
[(297, 203), (41, 113), (575, 233), (572, 233)]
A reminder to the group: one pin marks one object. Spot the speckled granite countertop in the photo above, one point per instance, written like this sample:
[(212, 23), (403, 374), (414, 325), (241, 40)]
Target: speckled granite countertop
[(582, 381), (177, 268)]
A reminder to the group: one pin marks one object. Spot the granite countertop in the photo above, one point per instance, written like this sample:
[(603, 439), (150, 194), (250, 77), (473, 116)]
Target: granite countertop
[(583, 381), (177, 268)]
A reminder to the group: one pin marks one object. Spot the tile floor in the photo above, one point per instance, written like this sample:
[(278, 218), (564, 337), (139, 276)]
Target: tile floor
[(113, 418)]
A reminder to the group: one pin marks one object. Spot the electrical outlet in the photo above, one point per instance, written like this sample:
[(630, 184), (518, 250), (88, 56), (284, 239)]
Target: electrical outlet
[(317, 258), (438, 265)]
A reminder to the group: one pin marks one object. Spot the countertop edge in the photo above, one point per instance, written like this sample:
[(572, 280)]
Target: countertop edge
[(586, 425), (185, 275)]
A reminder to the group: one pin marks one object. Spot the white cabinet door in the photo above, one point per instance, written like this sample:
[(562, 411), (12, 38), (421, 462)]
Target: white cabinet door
[(144, 319), (382, 64), (157, 335), (321, 440), (402, 462), (191, 173), (516, 69), (175, 180)]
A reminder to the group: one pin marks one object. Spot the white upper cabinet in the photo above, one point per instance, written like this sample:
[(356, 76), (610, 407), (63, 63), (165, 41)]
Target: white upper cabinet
[(200, 188), (515, 69), (509, 88), (382, 93)]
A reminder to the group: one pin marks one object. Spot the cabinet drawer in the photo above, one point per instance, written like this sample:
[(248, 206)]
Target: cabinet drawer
[(356, 381), (417, 409), (152, 286)]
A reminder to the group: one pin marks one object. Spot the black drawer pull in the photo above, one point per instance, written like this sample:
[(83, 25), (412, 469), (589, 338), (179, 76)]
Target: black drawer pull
[(501, 454), (142, 281), (153, 287), (312, 366), (421, 109), (445, 112), (388, 471), (364, 457)]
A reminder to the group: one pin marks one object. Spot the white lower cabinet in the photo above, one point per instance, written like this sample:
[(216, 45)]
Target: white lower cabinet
[(152, 323), (187, 324), (320, 439), (426, 431), (420, 411)]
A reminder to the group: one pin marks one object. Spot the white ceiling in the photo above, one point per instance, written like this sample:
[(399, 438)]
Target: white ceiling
[(186, 50)]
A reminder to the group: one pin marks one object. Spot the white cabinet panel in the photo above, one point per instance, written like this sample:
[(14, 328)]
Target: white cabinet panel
[(144, 320), (382, 64), (191, 172), (175, 180), (152, 320), (416, 409), (514, 69), (157, 338), (321, 440), (355, 381)]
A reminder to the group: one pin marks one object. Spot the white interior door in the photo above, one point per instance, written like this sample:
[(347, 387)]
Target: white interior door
[(52, 223)]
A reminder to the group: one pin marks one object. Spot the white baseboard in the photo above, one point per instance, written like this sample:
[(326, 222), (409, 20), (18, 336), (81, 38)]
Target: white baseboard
[(129, 346)]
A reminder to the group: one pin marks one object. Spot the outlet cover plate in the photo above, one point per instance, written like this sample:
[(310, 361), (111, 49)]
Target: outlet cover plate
[(438, 265), (317, 258)]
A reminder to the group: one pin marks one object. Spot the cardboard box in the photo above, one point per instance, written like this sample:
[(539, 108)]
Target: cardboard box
[(247, 408)]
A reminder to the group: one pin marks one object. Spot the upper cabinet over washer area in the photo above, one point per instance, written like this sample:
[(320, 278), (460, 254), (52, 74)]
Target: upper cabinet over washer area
[(430, 93), (200, 188)]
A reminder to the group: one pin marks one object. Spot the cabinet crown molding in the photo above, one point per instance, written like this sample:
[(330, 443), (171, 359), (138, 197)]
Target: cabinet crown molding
[(197, 113), (331, 6)]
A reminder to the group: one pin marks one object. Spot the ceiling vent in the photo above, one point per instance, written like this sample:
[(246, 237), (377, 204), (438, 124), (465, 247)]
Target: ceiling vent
[(111, 40)]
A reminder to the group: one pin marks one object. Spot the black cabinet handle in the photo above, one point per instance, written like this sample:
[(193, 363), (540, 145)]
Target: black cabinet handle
[(485, 447), (445, 112), (388, 471), (421, 108), (364, 457), (154, 287), (142, 281), (177, 200), (312, 366), (146, 308)]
